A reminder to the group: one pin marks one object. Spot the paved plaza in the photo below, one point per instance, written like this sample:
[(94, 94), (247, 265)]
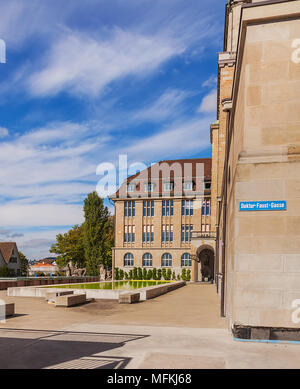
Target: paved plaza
[(181, 329)]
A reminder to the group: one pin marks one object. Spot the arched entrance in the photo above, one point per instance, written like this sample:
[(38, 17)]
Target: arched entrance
[(204, 264)]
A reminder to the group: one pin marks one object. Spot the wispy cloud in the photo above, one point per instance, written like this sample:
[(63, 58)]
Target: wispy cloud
[(82, 65), (3, 132), (167, 106), (173, 142), (209, 103)]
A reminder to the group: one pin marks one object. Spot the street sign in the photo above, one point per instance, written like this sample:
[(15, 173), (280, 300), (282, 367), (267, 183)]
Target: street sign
[(262, 205)]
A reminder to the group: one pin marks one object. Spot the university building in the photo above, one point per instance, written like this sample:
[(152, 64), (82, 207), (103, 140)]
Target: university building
[(158, 211)]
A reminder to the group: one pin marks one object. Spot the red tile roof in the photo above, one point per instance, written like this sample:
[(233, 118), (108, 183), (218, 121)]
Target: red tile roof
[(188, 169)]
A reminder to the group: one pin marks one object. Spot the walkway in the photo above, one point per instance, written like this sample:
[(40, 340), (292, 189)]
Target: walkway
[(178, 330)]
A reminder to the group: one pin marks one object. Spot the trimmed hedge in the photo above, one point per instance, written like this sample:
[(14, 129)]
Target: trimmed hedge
[(137, 273)]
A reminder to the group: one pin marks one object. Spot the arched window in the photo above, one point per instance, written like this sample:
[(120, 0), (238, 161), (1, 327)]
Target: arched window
[(128, 259), (166, 260), (147, 260), (186, 260)]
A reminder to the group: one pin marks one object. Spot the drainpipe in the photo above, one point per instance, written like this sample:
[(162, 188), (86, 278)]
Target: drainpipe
[(227, 105)]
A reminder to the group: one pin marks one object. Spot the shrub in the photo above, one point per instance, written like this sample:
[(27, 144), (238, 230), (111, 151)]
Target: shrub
[(159, 274), (140, 273), (173, 276), (150, 274), (178, 277), (183, 274), (135, 274), (5, 271), (169, 274), (40, 274), (121, 276), (117, 273), (130, 274), (126, 276), (154, 274), (144, 274), (188, 275), (164, 273)]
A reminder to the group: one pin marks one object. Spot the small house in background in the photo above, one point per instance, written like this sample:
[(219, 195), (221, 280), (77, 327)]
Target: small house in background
[(9, 257), (43, 267)]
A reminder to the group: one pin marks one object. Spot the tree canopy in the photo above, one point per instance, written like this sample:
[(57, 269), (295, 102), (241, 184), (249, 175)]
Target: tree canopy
[(96, 228), (70, 247)]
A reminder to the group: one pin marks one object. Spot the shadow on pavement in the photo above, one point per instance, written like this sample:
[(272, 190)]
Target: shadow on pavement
[(40, 349)]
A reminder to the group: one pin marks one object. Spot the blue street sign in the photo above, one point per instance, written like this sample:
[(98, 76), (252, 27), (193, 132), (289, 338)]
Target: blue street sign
[(262, 206)]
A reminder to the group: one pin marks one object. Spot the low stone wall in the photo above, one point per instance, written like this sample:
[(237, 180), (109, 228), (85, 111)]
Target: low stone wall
[(154, 291), (109, 294), (45, 281)]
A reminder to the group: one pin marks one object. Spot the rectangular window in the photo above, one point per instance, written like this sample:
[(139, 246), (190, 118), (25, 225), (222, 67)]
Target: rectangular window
[(207, 207), (168, 186), (148, 208), (187, 208), (167, 233), (131, 187), (129, 208), (188, 186), (167, 207), (186, 233), (149, 187), (129, 234), (148, 234)]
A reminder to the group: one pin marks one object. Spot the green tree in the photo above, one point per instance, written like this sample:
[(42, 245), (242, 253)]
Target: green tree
[(70, 247), (96, 228), (24, 264)]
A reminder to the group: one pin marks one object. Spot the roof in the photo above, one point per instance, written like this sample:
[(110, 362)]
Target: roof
[(188, 169), (42, 265), (6, 249)]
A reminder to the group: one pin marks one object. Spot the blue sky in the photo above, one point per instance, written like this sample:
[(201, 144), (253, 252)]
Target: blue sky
[(86, 81)]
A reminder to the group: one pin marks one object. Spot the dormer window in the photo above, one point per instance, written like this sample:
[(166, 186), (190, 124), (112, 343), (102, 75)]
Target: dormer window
[(131, 187), (149, 187), (168, 186), (188, 185), (207, 185)]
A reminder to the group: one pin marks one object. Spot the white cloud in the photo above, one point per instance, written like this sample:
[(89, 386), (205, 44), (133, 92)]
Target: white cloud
[(174, 142), (209, 103), (53, 164), (3, 132), (83, 65), (168, 105), (210, 82), (40, 214)]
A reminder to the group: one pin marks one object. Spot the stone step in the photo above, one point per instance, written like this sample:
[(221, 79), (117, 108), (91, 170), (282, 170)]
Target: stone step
[(51, 296), (129, 298), (70, 300)]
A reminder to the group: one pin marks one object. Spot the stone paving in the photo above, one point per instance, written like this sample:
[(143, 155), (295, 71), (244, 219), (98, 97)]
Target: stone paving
[(179, 330)]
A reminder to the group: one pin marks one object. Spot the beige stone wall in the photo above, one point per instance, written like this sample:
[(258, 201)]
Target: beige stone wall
[(263, 248), (157, 248)]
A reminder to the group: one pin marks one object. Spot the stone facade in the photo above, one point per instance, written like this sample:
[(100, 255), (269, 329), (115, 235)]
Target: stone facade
[(261, 259), (139, 224)]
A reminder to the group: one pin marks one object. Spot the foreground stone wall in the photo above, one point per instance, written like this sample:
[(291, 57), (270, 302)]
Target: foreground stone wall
[(263, 247)]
